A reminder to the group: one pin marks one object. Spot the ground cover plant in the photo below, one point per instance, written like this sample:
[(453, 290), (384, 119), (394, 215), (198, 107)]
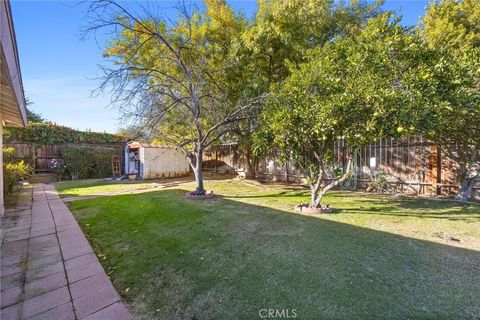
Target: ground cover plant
[(378, 257)]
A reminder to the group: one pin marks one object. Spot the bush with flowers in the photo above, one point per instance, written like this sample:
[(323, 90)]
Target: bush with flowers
[(58, 168)]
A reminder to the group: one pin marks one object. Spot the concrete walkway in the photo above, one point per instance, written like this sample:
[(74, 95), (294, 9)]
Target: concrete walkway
[(48, 269)]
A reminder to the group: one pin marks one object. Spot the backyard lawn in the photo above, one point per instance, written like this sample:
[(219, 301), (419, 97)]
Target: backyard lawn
[(378, 257), (95, 187)]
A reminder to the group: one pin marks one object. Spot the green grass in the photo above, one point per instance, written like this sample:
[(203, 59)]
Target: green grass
[(88, 187), (379, 257)]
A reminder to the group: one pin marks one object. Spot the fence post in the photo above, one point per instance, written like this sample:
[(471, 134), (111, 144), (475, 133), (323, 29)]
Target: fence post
[(286, 171), (439, 171)]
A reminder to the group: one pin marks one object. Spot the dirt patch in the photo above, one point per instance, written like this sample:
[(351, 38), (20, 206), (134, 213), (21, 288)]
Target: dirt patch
[(207, 196)]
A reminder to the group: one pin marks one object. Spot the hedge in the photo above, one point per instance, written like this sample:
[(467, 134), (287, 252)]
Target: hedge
[(49, 133), (88, 162)]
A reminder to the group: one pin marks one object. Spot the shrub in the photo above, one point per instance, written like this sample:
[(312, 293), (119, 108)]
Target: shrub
[(58, 168), (78, 161), (13, 171), (8, 154), (88, 162), (378, 183), (103, 162)]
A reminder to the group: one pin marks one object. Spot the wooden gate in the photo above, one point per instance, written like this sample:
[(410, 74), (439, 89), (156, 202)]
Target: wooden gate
[(44, 154)]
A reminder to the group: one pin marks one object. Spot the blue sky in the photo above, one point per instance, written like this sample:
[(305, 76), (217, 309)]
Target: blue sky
[(59, 69)]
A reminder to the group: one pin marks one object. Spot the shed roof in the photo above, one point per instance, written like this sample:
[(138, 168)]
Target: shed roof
[(142, 144)]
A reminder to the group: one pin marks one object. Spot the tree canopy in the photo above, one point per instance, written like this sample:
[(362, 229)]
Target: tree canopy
[(452, 23), (302, 74), (452, 98), (178, 81), (355, 88)]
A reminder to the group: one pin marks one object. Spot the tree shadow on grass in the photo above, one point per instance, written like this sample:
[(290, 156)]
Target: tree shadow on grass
[(229, 260), (420, 208), (167, 182), (387, 204), (282, 194)]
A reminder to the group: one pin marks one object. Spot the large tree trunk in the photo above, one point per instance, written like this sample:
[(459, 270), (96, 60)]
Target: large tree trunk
[(467, 182), (199, 189), (250, 166)]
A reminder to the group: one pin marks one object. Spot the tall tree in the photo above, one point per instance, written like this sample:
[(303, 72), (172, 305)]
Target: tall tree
[(452, 29), (284, 31), (282, 34), (169, 76)]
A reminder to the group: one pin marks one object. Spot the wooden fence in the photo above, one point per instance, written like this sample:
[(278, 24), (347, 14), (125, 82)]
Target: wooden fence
[(39, 155), (407, 165)]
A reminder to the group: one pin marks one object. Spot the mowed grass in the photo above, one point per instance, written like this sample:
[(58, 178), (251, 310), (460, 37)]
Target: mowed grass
[(89, 187), (378, 257)]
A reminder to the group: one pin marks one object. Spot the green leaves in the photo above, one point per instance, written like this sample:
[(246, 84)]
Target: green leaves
[(453, 24), (357, 87), (48, 133)]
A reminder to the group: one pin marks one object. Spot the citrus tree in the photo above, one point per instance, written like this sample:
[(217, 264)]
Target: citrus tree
[(355, 88), (280, 37)]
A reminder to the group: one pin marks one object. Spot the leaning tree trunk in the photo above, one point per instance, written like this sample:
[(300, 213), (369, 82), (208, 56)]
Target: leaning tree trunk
[(317, 193), (314, 196)]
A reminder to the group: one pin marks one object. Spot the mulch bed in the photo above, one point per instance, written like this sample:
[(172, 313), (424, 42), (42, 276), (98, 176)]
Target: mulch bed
[(193, 196), (322, 209)]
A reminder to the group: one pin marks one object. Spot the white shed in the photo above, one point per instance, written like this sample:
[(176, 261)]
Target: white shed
[(150, 161)]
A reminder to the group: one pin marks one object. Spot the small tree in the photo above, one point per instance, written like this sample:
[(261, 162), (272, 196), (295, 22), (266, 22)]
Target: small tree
[(352, 88), (169, 77)]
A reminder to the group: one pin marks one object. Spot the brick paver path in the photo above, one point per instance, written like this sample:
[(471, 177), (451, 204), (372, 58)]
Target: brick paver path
[(48, 269)]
